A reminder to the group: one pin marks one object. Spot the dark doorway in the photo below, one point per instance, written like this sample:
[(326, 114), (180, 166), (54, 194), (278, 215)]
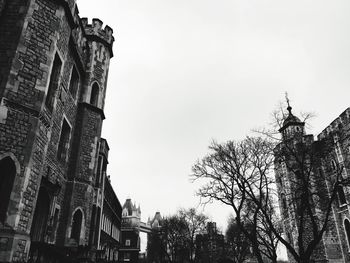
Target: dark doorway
[(76, 225), (41, 214), (7, 177)]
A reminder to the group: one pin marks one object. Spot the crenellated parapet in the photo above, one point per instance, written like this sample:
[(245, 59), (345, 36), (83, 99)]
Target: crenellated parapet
[(338, 124), (96, 32)]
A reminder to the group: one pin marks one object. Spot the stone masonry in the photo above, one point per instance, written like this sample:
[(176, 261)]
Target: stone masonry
[(331, 159), (53, 77)]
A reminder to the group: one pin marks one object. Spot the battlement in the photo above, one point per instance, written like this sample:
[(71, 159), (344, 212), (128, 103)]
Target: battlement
[(95, 29), (340, 122)]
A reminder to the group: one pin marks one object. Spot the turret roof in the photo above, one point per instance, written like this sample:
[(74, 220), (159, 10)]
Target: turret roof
[(291, 119), (129, 206)]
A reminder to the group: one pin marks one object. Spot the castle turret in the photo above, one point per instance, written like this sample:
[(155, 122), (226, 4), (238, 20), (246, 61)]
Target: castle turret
[(157, 221), (292, 126), (131, 219), (100, 42)]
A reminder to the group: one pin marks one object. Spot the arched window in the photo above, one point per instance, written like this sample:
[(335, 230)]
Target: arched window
[(63, 144), (125, 212), (54, 81), (333, 165), (347, 230), (41, 215), (7, 177), (76, 225), (341, 195), (94, 94), (74, 82)]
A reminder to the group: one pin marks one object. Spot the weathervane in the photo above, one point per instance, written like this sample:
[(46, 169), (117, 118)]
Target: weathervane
[(289, 108)]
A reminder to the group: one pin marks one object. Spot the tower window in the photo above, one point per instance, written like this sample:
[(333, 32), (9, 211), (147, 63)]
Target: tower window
[(76, 225), (7, 177), (347, 230), (55, 221), (74, 82), (53, 84), (341, 195), (94, 94), (284, 202), (63, 143), (99, 171), (333, 165)]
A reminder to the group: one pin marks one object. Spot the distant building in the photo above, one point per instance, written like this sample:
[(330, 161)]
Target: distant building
[(210, 246), (156, 252), (57, 204), (156, 222), (335, 244), (130, 227)]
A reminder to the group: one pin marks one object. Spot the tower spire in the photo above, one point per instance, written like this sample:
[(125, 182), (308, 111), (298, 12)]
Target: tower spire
[(289, 108)]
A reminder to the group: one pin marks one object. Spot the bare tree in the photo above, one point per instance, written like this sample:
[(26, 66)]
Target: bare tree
[(238, 243), (174, 236), (195, 223), (239, 174), (255, 219), (174, 240)]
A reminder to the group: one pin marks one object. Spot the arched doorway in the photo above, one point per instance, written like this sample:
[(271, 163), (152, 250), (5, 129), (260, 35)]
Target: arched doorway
[(76, 225), (41, 214), (7, 177)]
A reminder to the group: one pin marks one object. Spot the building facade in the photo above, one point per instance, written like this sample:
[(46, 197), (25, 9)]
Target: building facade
[(327, 159), (53, 75), (131, 223), (108, 212)]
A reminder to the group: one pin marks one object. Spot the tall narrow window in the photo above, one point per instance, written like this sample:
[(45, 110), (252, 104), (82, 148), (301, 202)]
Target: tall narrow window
[(53, 84), (94, 94), (284, 202), (98, 172), (341, 195), (347, 230), (74, 82), (63, 143), (55, 222), (76, 225), (93, 227), (333, 165), (41, 215), (7, 177)]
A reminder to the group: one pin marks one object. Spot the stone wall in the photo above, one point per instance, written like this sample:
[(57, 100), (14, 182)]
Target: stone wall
[(32, 34)]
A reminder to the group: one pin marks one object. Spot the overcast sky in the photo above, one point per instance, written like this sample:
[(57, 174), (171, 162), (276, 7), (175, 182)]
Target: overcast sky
[(185, 72)]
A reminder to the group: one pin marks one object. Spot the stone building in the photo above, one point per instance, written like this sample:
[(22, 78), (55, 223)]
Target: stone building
[(328, 161), (131, 224), (107, 213), (53, 75)]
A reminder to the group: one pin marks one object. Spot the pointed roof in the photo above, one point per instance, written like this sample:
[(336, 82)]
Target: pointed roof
[(157, 220), (129, 206)]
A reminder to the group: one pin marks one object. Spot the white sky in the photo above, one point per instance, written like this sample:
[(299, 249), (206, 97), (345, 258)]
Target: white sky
[(189, 71)]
